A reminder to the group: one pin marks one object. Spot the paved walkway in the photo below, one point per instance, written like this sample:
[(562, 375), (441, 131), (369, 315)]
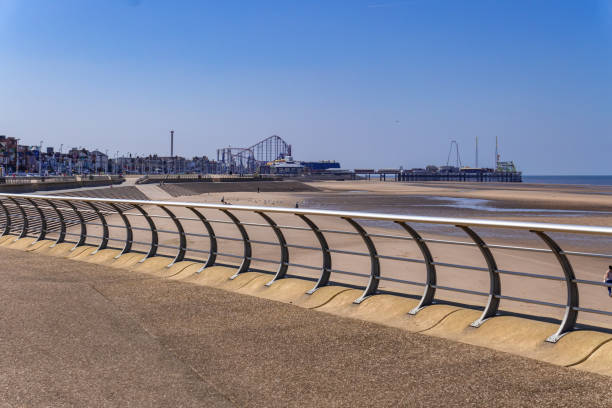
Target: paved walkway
[(78, 334)]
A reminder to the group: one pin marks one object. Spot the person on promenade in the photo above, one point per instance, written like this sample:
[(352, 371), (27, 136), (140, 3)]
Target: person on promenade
[(608, 279)]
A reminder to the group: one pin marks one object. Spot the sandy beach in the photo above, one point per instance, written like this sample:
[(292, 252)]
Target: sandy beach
[(519, 202)]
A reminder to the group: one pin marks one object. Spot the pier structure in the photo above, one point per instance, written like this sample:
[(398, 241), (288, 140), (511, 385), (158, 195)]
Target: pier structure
[(395, 173), (366, 173), (455, 174)]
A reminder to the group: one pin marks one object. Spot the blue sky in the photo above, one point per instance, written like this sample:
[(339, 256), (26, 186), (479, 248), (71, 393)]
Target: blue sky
[(369, 83)]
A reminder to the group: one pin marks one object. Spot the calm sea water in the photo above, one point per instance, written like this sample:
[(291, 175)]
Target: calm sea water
[(588, 180)]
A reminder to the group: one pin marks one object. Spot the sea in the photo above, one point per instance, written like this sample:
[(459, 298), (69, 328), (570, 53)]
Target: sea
[(584, 180)]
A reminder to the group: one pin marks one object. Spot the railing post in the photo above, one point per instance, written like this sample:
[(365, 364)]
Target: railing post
[(7, 224), (284, 258), (24, 225), (182, 237), (83, 234), (129, 235), (43, 221), (212, 254), (430, 285), (105, 232), (571, 308), (494, 282), (154, 237), (246, 259), (62, 234), (374, 262), (327, 261)]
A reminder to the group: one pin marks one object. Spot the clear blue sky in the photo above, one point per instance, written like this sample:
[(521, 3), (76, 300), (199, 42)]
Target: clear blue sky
[(376, 83)]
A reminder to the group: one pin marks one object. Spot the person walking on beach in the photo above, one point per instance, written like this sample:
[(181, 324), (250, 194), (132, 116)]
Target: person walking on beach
[(608, 279)]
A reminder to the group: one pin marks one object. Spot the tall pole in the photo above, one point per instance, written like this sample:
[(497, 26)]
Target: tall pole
[(496, 154), (172, 143), (40, 159), (476, 152)]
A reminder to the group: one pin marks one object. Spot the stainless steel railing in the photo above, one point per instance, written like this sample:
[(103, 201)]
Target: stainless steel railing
[(43, 216)]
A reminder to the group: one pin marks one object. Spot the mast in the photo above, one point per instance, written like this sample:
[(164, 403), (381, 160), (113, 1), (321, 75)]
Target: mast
[(476, 166)]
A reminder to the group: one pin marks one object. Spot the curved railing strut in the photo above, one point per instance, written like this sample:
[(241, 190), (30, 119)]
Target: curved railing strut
[(105, 231), (180, 255), (282, 242), (24, 225), (327, 260), (492, 306), (7, 224), (430, 285), (374, 262), (129, 234), (83, 234), (571, 310), (154, 236), (212, 253), (60, 216), (246, 259), (43, 221)]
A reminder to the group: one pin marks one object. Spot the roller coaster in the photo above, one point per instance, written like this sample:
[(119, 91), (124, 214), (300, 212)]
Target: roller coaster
[(249, 159)]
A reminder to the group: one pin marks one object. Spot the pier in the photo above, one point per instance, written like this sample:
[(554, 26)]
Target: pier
[(467, 175)]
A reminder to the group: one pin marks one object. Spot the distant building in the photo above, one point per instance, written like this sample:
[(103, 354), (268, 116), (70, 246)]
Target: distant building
[(319, 166)]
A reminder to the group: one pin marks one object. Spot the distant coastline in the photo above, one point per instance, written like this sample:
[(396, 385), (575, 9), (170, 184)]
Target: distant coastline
[(585, 180)]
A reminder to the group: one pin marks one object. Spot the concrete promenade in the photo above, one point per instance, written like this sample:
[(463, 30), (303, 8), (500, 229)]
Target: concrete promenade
[(80, 334)]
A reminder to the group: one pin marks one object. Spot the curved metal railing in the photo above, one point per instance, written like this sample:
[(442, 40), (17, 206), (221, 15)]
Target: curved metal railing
[(44, 216)]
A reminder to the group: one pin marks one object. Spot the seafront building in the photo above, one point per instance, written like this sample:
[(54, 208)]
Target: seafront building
[(18, 159)]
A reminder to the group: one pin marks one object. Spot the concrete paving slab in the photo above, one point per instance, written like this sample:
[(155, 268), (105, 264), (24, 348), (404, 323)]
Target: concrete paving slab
[(64, 344)]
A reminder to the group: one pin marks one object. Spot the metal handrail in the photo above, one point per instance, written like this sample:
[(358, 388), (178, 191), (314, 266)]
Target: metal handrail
[(26, 215)]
